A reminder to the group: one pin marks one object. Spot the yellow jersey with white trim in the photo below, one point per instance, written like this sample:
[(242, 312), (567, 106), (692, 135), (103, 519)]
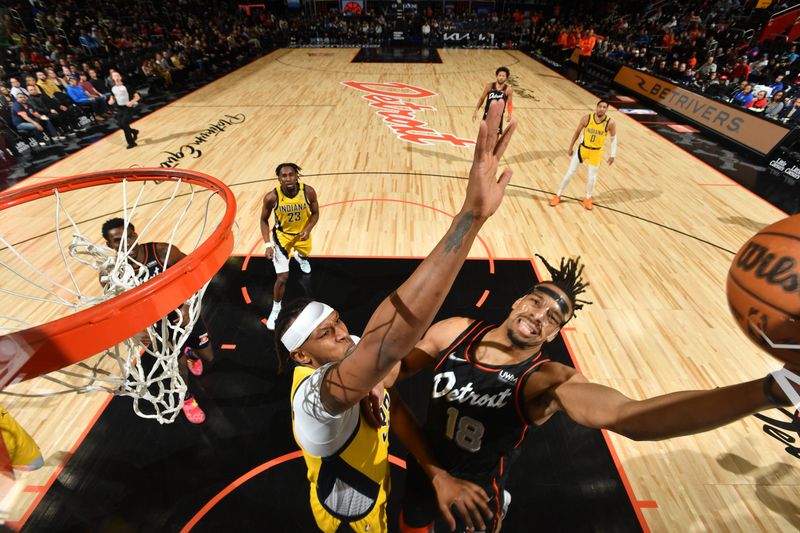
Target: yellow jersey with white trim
[(292, 213), (594, 134)]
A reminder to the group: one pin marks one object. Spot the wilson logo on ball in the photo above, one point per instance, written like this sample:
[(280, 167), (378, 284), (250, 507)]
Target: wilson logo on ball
[(763, 285), (768, 266)]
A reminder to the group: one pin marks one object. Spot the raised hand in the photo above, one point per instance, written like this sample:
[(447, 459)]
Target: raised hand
[(371, 406), (485, 190)]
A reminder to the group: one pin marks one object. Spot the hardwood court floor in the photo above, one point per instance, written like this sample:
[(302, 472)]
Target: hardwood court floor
[(657, 245)]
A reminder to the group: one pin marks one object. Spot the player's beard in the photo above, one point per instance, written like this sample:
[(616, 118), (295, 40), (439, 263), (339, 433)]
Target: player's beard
[(520, 343)]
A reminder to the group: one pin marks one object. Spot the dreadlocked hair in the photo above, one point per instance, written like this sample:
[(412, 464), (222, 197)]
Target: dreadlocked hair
[(286, 317), (567, 277)]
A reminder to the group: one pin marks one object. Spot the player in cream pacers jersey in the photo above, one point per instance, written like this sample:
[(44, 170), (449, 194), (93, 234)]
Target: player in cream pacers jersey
[(592, 130)]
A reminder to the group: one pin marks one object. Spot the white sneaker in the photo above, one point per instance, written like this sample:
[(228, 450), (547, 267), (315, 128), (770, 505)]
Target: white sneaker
[(305, 266), (273, 316), (506, 502)]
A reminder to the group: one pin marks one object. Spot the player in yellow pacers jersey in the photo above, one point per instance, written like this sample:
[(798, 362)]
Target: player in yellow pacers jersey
[(296, 213), (592, 130), (23, 452)]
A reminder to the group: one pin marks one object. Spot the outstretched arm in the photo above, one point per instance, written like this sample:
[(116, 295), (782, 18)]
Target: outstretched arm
[(402, 318), (662, 417)]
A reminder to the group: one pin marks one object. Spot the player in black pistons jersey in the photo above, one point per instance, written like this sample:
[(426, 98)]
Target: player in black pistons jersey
[(153, 255), (492, 382), (499, 90)]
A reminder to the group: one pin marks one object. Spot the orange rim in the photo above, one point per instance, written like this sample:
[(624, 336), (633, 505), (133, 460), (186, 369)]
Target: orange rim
[(73, 338)]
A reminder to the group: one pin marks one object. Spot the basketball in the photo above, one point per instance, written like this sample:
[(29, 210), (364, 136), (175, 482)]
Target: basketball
[(764, 289)]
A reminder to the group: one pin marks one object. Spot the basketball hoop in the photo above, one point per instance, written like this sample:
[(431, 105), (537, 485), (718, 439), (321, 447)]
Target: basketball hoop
[(125, 320)]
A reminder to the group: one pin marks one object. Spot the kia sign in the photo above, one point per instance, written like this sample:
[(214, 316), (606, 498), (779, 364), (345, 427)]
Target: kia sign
[(737, 125)]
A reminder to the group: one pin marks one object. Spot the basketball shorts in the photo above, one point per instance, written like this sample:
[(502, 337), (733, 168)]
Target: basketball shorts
[(286, 245), (420, 508), (22, 449), (590, 156)]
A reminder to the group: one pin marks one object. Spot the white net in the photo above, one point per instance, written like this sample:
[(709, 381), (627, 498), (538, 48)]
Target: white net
[(147, 362), (145, 366)]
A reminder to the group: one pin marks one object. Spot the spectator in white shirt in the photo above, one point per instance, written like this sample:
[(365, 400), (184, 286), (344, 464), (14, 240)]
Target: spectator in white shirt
[(17, 88)]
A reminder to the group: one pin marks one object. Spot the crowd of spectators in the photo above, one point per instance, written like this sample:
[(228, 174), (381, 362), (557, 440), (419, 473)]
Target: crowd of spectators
[(55, 72), (55, 75), (709, 47)]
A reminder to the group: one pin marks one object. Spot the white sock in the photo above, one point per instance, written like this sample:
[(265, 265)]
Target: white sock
[(276, 307), (573, 166)]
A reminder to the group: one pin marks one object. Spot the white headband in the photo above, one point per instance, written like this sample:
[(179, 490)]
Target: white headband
[(311, 317)]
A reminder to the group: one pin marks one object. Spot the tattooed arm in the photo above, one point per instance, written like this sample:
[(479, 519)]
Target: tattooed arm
[(402, 318)]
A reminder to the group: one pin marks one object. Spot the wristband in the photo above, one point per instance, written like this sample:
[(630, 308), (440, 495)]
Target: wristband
[(268, 245)]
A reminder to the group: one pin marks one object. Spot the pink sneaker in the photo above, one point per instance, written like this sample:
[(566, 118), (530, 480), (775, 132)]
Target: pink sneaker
[(195, 365), (193, 413)]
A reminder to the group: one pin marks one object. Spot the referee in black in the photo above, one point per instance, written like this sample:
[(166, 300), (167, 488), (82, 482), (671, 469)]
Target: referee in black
[(124, 106)]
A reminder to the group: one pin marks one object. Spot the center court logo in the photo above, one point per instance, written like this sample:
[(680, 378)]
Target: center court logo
[(397, 109)]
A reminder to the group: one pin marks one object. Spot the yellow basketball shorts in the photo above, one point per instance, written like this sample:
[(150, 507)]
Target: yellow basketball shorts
[(589, 156), (286, 245)]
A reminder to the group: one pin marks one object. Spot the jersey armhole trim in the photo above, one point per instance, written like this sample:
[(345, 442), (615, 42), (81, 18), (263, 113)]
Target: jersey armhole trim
[(458, 340), (519, 399)]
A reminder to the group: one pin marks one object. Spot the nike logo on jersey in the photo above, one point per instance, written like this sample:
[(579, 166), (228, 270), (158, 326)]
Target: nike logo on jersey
[(444, 384), (453, 357)]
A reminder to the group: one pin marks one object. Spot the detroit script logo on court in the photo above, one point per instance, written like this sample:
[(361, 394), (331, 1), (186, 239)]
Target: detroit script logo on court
[(398, 111)]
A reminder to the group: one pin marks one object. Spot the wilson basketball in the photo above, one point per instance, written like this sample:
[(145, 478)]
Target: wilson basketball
[(764, 289)]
